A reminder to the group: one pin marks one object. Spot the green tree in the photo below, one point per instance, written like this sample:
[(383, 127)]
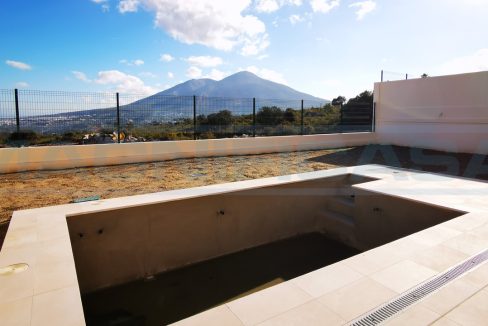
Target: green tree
[(364, 97), (339, 100), (289, 115), (221, 118), (270, 116)]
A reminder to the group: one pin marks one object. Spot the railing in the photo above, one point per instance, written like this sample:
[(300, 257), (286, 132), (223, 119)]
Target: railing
[(29, 117)]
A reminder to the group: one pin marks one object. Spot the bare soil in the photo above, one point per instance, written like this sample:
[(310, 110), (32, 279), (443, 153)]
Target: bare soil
[(45, 188)]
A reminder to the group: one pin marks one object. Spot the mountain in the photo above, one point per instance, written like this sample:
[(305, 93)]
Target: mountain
[(243, 84), (234, 93)]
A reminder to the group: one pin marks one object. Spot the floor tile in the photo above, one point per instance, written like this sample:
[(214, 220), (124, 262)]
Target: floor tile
[(473, 311), (327, 279), (219, 316), (414, 315), (373, 260), (444, 321), (16, 313), (17, 286), (262, 305), (468, 243), (449, 296), (58, 308), (436, 235), (310, 314), (357, 298), (439, 258), (49, 277), (403, 276)]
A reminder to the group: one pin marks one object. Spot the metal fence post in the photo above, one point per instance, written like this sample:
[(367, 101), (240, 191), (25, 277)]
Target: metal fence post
[(373, 118), (194, 117), (301, 121), (342, 109), (254, 117), (118, 117), (17, 115)]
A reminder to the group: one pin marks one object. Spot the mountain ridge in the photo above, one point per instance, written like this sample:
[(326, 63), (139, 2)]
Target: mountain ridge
[(242, 84)]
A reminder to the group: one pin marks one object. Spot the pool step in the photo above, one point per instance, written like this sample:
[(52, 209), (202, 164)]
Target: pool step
[(342, 205), (341, 219), (337, 225)]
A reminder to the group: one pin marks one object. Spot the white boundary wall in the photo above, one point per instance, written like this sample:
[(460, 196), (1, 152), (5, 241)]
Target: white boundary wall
[(447, 113), (62, 157)]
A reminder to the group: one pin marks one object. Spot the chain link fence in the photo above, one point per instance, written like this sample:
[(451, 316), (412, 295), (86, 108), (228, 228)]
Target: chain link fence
[(30, 117)]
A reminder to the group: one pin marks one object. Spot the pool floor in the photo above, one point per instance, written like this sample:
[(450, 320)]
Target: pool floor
[(181, 293)]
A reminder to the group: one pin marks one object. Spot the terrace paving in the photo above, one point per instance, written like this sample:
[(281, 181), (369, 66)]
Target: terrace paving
[(27, 190), (48, 293)]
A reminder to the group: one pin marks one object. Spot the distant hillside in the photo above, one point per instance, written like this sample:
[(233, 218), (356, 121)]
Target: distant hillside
[(239, 85), (233, 93)]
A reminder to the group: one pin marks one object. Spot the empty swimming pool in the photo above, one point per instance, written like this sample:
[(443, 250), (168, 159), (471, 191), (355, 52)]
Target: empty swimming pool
[(140, 264)]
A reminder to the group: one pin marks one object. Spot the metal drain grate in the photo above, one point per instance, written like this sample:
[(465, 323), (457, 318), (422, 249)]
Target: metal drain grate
[(408, 298)]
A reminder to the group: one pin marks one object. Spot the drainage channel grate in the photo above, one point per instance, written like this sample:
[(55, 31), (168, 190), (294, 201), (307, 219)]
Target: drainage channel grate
[(408, 298)]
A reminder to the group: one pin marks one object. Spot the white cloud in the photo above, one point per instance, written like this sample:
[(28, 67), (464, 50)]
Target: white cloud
[(166, 57), (18, 65), (218, 24), (217, 74), (194, 72), (124, 83), (22, 84), (267, 74), (254, 47), (148, 74), (324, 6), (171, 75), (268, 6), (477, 61), (137, 62), (128, 5), (104, 5), (80, 76), (295, 19), (205, 61), (469, 2), (363, 8)]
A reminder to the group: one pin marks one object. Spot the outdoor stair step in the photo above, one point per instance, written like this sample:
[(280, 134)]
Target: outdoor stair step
[(336, 218), (337, 226), (342, 205)]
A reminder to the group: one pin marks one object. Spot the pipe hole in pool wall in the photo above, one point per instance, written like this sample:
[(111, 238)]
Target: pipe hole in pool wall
[(164, 262)]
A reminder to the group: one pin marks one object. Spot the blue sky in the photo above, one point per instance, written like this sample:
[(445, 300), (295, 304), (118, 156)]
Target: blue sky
[(323, 47)]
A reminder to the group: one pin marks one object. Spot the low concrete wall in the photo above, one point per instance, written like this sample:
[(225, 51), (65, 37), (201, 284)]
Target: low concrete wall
[(62, 157), (447, 113)]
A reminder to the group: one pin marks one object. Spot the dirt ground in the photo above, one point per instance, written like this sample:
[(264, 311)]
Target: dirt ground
[(45, 188)]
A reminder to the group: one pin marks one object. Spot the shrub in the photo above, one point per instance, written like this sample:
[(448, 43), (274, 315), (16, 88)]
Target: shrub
[(25, 135)]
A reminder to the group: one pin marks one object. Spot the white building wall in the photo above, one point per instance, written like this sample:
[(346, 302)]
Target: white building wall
[(448, 113)]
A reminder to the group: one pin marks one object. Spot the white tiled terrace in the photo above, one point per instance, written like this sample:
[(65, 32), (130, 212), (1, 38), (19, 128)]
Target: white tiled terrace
[(48, 292)]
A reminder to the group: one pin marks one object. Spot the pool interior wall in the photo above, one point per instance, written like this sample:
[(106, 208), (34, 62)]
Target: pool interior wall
[(177, 294), (121, 246)]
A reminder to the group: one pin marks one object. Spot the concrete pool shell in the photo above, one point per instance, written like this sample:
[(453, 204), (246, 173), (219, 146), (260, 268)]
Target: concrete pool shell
[(119, 240)]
